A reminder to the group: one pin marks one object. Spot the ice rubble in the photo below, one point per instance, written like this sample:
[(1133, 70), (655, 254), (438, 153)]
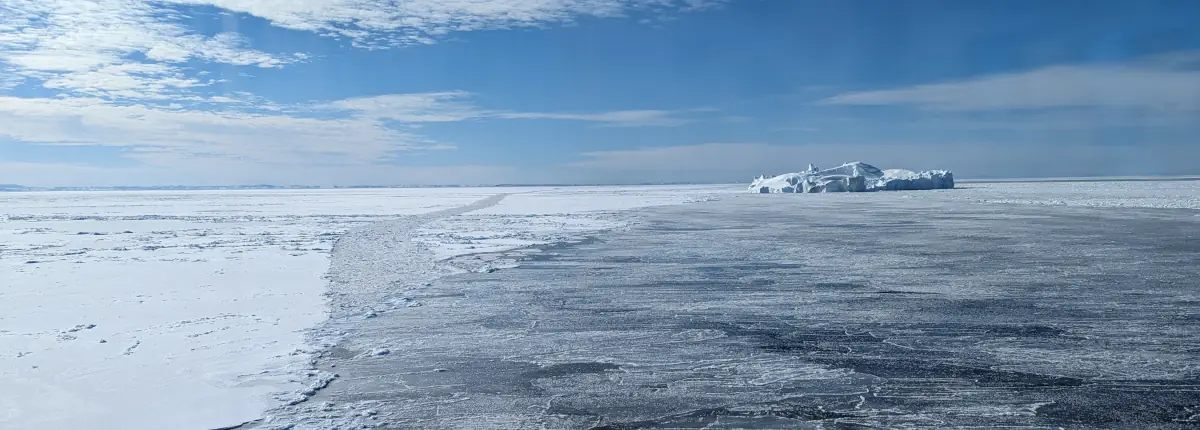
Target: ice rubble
[(853, 177)]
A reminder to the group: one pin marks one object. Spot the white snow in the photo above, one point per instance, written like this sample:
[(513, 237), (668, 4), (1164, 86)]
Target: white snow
[(852, 177), (551, 215), (196, 301), (1115, 194), (188, 309)]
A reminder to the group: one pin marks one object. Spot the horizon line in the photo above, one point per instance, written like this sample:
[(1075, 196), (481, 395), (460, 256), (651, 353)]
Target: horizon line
[(24, 188)]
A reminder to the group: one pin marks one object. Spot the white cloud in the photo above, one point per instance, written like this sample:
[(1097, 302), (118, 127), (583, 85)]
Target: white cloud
[(124, 74), (702, 4), (387, 23), (447, 106), (234, 172), (1066, 119), (88, 47), (340, 132), (451, 106), (624, 118), (173, 136), (1146, 86), (129, 80), (9, 80)]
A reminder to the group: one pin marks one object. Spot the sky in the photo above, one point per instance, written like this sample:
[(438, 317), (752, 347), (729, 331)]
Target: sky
[(385, 92)]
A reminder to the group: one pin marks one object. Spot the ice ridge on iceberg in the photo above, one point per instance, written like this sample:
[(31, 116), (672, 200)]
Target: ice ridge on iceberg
[(853, 177)]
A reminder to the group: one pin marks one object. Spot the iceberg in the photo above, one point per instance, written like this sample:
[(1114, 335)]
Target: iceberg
[(856, 177)]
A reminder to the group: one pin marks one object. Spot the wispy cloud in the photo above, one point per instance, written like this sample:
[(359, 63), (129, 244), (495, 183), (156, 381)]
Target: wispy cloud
[(624, 118), (387, 23), (1144, 85), (351, 131), (125, 74), (115, 49), (137, 49), (451, 106), (165, 135), (236, 172)]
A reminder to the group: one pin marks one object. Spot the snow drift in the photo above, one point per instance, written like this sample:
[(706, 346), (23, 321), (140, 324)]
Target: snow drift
[(853, 177)]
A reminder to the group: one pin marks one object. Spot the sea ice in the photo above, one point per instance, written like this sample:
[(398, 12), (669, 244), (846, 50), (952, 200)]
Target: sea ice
[(170, 309), (853, 177), (550, 215), (378, 267)]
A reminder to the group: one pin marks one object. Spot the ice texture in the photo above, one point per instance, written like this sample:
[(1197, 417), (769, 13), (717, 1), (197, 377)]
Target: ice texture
[(853, 177), (171, 309), (162, 309), (1006, 316), (196, 309)]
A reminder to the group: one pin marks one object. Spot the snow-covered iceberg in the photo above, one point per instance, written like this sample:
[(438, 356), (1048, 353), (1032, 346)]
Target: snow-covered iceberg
[(853, 177)]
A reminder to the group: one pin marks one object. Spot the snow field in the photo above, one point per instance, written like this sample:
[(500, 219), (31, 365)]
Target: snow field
[(194, 309), (151, 310)]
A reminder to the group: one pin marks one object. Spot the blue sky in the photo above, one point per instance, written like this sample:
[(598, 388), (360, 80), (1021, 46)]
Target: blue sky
[(339, 92)]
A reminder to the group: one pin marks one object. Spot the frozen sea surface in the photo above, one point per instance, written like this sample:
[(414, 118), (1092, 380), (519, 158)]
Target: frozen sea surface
[(1130, 194), (1069, 304), (1078, 308), (153, 310), (193, 309)]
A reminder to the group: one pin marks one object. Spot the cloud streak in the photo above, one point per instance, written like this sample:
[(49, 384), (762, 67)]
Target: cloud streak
[(453, 106), (1143, 86), (174, 136), (137, 49), (448, 106), (624, 118), (234, 172), (349, 132), (385, 23), (114, 49), (131, 74)]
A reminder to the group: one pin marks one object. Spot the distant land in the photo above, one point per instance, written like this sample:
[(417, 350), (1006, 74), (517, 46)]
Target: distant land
[(22, 188)]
